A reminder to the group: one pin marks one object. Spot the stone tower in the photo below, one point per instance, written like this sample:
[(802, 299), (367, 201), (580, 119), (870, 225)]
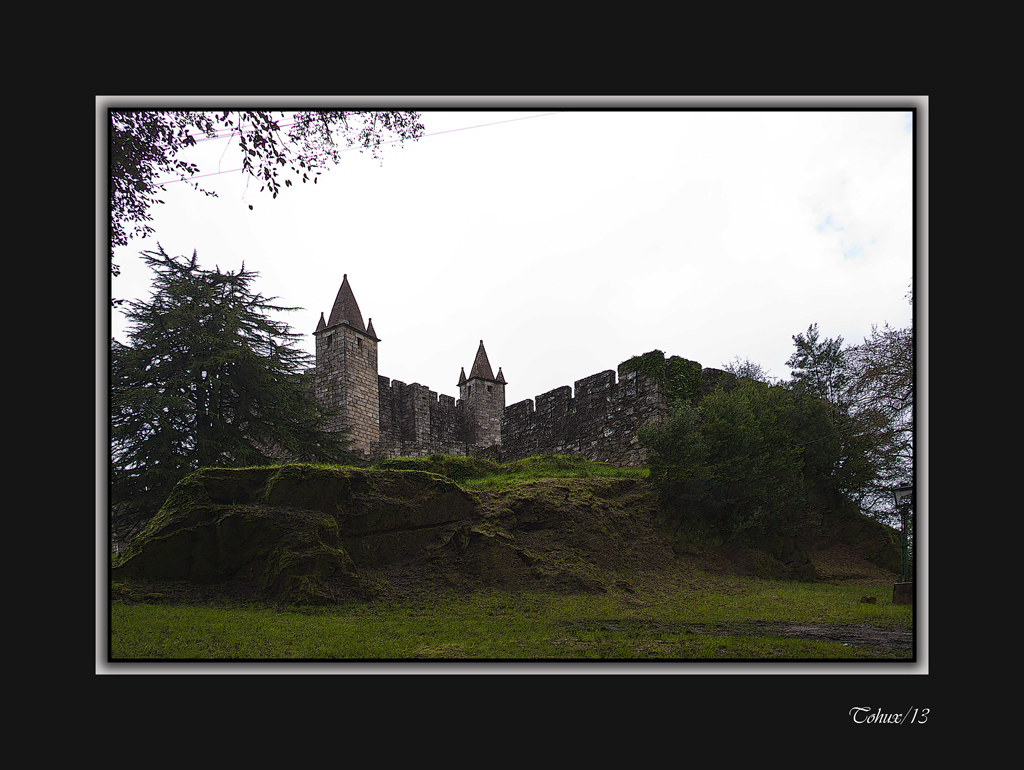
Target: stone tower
[(346, 371), (483, 401)]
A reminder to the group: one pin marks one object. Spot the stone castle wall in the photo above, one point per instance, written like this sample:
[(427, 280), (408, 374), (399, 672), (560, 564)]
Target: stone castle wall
[(598, 419), (385, 418), (415, 421)]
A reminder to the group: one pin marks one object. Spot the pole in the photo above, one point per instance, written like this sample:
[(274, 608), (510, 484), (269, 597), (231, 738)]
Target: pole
[(899, 493), (904, 558)]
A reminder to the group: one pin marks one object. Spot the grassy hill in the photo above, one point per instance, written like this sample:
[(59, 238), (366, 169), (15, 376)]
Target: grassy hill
[(405, 527), (459, 558)]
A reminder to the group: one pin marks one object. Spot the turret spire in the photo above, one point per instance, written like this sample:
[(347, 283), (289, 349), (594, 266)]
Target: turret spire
[(346, 309), (481, 366)]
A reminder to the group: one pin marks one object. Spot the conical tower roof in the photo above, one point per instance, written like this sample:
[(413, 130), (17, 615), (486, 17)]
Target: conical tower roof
[(481, 366), (346, 309)]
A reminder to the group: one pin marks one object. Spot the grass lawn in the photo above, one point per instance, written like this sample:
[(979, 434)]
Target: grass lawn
[(714, 619)]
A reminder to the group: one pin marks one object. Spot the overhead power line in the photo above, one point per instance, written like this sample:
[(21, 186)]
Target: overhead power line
[(229, 133)]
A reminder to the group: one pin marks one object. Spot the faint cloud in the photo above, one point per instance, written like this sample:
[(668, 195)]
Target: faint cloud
[(828, 224), (850, 252)]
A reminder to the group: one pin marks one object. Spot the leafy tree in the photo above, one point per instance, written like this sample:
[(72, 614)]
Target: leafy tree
[(870, 391), (747, 368), (145, 147), (881, 395), (207, 379), (835, 446), (751, 457), (730, 459)]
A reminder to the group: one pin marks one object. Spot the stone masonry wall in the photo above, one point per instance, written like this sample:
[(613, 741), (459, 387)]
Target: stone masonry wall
[(346, 380), (598, 418), (600, 422), (416, 421)]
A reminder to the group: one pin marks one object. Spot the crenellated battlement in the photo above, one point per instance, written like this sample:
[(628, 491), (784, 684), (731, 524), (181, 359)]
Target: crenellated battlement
[(415, 420), (598, 417)]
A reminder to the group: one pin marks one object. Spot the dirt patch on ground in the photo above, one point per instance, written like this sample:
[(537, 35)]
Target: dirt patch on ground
[(859, 634), (887, 642), (899, 640)]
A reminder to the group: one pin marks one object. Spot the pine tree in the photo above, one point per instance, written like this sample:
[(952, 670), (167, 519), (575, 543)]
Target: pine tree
[(820, 366), (208, 379), (821, 371)]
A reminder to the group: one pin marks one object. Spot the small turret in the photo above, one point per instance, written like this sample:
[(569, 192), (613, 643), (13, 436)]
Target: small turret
[(483, 399), (346, 371)]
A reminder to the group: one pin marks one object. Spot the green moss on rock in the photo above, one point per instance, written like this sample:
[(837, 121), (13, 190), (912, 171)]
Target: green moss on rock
[(295, 531)]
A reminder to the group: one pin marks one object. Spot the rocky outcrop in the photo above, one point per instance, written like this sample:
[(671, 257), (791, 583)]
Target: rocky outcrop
[(294, 533)]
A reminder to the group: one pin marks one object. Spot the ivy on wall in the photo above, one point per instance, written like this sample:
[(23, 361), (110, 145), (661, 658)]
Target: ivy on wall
[(678, 378)]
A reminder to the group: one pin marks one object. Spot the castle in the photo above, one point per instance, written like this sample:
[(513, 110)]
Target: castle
[(598, 419)]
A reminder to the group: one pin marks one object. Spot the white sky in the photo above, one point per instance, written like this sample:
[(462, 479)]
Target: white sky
[(570, 241)]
